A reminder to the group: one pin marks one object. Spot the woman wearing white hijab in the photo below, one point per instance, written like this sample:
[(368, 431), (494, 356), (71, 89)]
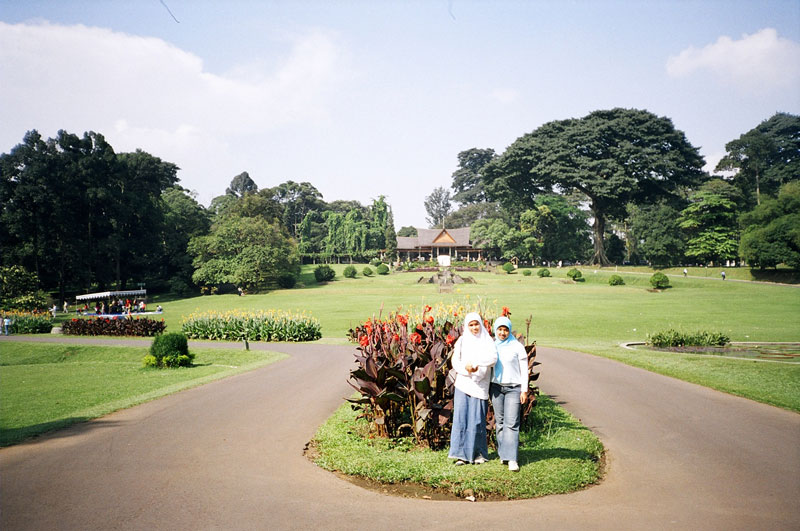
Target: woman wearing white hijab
[(473, 357)]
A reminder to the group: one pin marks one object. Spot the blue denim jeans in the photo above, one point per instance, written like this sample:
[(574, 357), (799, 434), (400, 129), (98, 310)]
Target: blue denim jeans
[(468, 436), (507, 409)]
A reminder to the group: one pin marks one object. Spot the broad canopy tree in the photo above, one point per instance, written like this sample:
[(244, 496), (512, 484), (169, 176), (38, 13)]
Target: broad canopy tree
[(613, 157)]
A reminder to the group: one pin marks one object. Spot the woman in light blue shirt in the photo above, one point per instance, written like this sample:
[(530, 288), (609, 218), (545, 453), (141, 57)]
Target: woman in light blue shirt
[(508, 390)]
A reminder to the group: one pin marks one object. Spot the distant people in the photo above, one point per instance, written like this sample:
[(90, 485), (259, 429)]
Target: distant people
[(66, 307), (142, 306), (685, 272), (241, 292), (159, 309), (6, 325), (722, 273), (54, 310)]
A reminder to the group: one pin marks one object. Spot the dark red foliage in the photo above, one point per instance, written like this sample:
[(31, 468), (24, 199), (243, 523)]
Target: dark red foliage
[(113, 326)]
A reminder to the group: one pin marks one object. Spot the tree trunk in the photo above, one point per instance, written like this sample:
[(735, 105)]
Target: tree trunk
[(758, 191), (599, 228)]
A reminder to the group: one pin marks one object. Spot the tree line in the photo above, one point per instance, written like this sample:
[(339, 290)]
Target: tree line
[(626, 186), (81, 217)]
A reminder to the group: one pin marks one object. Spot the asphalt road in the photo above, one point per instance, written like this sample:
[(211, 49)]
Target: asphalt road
[(229, 455)]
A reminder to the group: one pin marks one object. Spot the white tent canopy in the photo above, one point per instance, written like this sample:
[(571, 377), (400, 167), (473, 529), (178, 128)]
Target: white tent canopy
[(112, 294)]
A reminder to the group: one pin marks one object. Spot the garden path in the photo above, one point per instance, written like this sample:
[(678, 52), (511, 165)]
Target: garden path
[(229, 455)]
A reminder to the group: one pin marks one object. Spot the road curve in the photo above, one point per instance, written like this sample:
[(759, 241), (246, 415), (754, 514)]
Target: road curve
[(229, 455)]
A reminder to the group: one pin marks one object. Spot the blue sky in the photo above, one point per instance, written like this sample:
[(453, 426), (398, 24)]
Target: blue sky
[(363, 98)]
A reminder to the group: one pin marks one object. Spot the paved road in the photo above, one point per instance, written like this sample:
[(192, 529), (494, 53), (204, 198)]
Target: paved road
[(229, 455)]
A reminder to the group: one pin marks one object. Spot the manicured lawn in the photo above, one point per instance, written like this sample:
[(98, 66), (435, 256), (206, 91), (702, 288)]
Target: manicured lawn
[(558, 455), (44, 387), (590, 316)]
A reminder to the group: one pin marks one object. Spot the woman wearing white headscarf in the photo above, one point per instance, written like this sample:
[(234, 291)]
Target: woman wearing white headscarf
[(473, 357)]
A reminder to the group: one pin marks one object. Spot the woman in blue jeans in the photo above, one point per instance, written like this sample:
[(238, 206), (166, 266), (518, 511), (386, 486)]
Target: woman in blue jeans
[(474, 355), (509, 390)]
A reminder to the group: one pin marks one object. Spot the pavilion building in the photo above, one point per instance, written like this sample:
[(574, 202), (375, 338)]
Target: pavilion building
[(442, 245)]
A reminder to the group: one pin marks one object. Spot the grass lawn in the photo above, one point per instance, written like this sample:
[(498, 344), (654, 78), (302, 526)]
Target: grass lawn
[(589, 316), (558, 455), (50, 386)]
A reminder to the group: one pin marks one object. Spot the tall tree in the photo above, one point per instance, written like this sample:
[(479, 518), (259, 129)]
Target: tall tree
[(437, 205), (657, 234), (710, 223), (771, 232), (240, 185), (296, 199), (390, 238), (765, 157), (613, 157), (468, 178)]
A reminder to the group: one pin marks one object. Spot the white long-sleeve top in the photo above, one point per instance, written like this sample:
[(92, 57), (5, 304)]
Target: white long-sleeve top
[(474, 384), (512, 365)]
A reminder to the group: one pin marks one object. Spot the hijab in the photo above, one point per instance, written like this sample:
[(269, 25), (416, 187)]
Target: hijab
[(477, 350), (502, 345)]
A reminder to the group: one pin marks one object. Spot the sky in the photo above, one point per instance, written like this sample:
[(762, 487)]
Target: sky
[(367, 98)]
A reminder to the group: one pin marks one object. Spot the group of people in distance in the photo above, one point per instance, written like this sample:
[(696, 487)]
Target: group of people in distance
[(115, 307), (487, 368)]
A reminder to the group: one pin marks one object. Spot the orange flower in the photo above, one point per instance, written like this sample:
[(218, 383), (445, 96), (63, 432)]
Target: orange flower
[(506, 311), (364, 341), (427, 309), (415, 338), (395, 338), (449, 340), (429, 319), (402, 319)]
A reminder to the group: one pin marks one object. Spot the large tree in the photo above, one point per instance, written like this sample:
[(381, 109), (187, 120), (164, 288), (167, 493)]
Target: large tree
[(656, 234), (710, 223), (612, 157), (240, 185), (765, 157), (438, 206), (771, 234), (467, 179)]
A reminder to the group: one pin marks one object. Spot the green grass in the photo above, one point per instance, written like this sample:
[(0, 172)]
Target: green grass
[(50, 386), (589, 316), (558, 455)]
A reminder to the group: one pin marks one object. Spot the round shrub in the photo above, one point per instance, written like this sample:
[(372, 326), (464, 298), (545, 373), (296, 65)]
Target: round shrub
[(615, 280), (367, 272), (324, 273), (350, 272), (575, 275), (543, 272), (526, 272), (508, 267), (287, 280), (169, 350), (375, 262), (383, 269), (659, 280)]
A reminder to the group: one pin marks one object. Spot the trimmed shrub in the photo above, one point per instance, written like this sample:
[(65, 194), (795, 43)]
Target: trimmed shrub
[(367, 272), (575, 275), (615, 280), (508, 267), (169, 350), (350, 272), (659, 280), (287, 281), (383, 269), (375, 262), (526, 272), (113, 326), (674, 338), (543, 272), (324, 273)]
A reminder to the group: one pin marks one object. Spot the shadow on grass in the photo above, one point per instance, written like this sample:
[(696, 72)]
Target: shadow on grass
[(544, 454), (53, 429)]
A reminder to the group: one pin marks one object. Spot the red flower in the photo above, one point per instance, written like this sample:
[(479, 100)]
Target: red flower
[(415, 338), (449, 340), (74, 320), (486, 324), (419, 327), (427, 309), (429, 319), (506, 311), (364, 341), (368, 327), (402, 319), (395, 338)]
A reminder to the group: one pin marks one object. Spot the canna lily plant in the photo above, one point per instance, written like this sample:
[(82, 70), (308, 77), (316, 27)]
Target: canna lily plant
[(401, 374)]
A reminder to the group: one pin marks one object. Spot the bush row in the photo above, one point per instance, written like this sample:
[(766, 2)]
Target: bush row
[(674, 338), (113, 326), (270, 325), (28, 322)]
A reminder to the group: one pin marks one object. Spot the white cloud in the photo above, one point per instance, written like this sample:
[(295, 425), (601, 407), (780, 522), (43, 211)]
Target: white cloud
[(762, 60), (142, 92)]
